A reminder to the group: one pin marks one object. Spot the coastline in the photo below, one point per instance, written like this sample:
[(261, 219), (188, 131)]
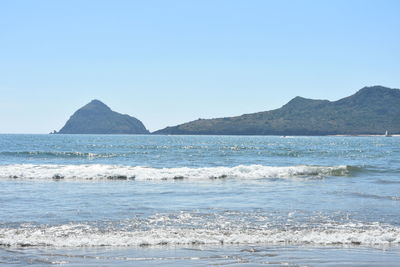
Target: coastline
[(254, 255), (365, 135)]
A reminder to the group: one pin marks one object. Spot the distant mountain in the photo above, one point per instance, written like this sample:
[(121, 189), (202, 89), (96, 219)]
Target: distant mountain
[(98, 118), (372, 110)]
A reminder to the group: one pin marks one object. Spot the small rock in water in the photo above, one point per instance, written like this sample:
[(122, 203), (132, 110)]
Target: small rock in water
[(223, 176), (58, 177), (117, 177)]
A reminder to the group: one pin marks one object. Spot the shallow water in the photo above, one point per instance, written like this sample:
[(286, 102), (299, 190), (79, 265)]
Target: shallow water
[(199, 200)]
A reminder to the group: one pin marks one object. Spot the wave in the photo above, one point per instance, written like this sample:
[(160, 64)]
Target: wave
[(374, 196), (84, 235), (119, 172), (55, 154)]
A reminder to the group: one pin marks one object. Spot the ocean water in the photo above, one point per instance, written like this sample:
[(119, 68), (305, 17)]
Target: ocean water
[(199, 200)]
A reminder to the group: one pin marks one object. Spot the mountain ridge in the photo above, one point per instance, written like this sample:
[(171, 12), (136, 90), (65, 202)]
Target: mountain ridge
[(371, 110)]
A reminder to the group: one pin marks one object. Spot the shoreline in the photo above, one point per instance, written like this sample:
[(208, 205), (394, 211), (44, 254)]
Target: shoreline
[(201, 255), (365, 135)]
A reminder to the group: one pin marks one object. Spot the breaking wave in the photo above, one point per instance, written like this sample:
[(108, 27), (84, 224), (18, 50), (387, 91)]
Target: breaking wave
[(58, 154), (119, 172), (83, 235)]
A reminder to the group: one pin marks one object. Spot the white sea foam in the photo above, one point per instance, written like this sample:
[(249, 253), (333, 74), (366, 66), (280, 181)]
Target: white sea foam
[(81, 235), (99, 172)]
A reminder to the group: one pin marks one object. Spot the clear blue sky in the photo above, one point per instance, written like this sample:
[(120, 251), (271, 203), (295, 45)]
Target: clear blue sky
[(169, 62)]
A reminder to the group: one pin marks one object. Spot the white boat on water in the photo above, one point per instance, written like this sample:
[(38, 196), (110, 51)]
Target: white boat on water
[(387, 134)]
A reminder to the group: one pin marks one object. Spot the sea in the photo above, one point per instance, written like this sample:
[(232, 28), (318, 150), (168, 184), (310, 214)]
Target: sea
[(156, 200)]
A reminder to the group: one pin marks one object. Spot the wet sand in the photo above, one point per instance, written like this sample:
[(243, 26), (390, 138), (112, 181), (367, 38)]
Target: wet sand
[(206, 256)]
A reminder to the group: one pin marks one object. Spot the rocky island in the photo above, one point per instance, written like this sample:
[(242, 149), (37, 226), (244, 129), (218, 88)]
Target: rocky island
[(98, 118)]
